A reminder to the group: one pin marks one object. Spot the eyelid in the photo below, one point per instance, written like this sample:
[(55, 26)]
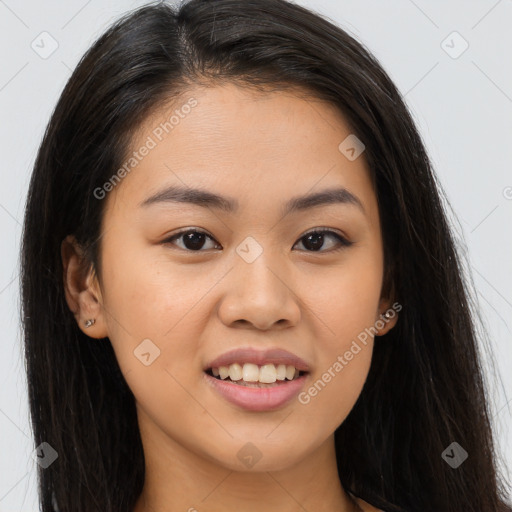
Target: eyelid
[(324, 229)]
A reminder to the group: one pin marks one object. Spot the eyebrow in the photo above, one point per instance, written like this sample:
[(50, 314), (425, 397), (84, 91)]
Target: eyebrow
[(206, 199)]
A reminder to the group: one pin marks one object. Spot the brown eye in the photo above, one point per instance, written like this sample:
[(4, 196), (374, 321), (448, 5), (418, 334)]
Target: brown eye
[(193, 240), (315, 240)]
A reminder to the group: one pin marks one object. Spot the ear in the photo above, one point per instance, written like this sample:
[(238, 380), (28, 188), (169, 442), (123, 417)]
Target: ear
[(81, 289), (387, 316)]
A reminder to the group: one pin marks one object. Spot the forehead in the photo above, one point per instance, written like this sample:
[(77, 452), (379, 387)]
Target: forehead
[(243, 142)]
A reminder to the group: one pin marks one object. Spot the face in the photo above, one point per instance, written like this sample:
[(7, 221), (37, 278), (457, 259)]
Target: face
[(187, 279)]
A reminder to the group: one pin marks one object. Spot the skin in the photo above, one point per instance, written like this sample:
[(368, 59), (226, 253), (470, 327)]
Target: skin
[(261, 149)]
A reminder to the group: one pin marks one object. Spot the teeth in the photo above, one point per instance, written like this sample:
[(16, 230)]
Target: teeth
[(249, 372), (235, 372), (268, 373), (290, 372)]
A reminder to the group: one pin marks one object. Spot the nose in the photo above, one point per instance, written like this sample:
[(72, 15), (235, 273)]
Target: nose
[(259, 295)]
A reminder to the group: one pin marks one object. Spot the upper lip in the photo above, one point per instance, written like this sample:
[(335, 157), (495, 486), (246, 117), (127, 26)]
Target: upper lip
[(260, 357)]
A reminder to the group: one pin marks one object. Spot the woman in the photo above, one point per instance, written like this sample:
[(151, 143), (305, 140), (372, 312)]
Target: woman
[(240, 290)]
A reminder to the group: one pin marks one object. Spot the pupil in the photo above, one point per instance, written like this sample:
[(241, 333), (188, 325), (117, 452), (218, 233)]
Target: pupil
[(194, 240), (318, 240)]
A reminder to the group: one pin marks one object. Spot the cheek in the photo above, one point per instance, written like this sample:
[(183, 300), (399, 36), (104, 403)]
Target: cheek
[(345, 310), (152, 300), (343, 363), (151, 295), (155, 328), (346, 299)]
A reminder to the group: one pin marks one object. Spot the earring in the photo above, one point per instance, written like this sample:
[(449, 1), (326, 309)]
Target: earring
[(89, 322), (387, 315)]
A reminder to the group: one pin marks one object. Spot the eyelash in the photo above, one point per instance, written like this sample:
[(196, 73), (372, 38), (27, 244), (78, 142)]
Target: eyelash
[(344, 243)]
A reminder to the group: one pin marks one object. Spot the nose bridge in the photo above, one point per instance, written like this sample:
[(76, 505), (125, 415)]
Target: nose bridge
[(256, 268), (258, 291)]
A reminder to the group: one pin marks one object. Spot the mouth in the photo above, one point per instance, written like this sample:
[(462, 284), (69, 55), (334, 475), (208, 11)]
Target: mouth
[(243, 387), (257, 380), (254, 376)]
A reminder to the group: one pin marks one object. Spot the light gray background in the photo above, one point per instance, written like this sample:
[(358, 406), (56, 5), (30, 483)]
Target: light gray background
[(462, 105)]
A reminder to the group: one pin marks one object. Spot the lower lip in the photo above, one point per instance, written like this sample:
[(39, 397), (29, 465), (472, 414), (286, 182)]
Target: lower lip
[(258, 399)]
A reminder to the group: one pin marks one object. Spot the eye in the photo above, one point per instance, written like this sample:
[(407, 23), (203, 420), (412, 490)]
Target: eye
[(315, 240), (193, 239)]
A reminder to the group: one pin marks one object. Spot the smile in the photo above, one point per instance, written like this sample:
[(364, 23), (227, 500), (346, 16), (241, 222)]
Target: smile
[(250, 373), (256, 395)]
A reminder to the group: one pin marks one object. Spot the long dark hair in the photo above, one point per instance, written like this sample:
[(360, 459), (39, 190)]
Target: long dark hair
[(425, 388)]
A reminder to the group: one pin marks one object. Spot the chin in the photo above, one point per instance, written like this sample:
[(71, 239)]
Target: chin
[(255, 457)]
